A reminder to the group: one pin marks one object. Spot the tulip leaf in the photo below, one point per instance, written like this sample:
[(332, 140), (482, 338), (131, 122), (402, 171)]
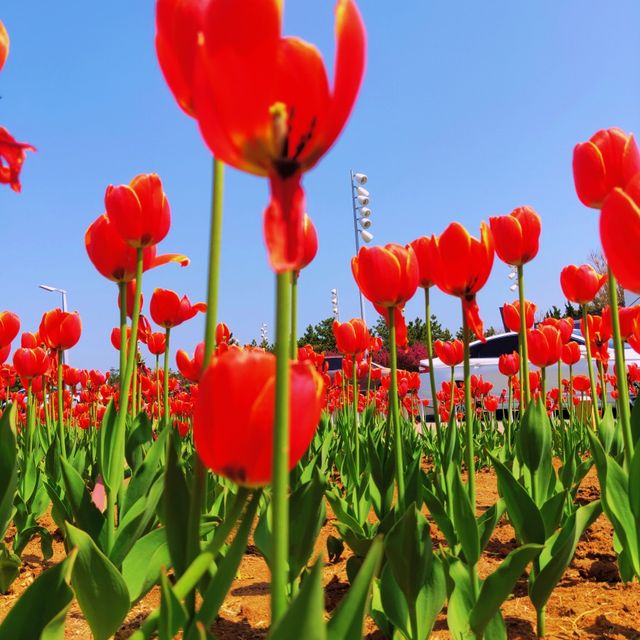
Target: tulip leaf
[(9, 567), (141, 568), (108, 460), (497, 587), (305, 616), (41, 610), (464, 520), (173, 615), (348, 619), (8, 467), (535, 435), (100, 589)]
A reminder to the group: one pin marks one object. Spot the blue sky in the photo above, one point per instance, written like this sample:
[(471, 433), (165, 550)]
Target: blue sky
[(467, 110)]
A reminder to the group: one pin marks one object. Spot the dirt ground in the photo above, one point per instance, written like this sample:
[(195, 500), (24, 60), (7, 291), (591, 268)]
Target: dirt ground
[(589, 602)]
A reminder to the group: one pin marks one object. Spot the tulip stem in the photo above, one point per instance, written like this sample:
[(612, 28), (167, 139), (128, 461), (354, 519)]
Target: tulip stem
[(354, 382), (560, 416), (524, 386), (592, 379), (432, 379), (63, 446), (395, 410), (165, 380), (621, 371), (507, 438), (603, 385), (294, 315), (571, 395), (468, 412), (280, 480), (122, 287)]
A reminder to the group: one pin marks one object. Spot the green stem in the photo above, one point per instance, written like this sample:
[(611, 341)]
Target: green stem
[(280, 480), (571, 395), (165, 380), (356, 440), (294, 316), (559, 389), (509, 418), (543, 384), (621, 372), (523, 340), (432, 379), (468, 411), (452, 404), (122, 288), (592, 379), (63, 446), (395, 410), (603, 385)]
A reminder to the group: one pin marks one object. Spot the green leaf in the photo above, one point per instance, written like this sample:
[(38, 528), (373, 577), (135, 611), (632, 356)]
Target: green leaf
[(110, 457), (534, 435), (558, 552), (551, 512), (464, 521), (524, 514), (142, 566), (305, 616), (441, 517), (8, 467), (173, 615), (101, 591), (9, 567), (347, 620), (634, 484), (41, 610), (487, 522), (497, 587)]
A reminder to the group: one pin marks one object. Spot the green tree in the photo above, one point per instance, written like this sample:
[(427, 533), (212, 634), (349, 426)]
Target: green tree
[(319, 336)]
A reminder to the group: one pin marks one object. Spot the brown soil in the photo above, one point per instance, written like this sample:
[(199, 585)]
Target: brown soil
[(589, 602)]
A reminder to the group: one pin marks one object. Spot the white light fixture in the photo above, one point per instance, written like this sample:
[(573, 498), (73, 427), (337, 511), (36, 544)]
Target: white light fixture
[(334, 292), (365, 223), (365, 212), (363, 200), (512, 275), (513, 287), (360, 178), (366, 236), (362, 192)]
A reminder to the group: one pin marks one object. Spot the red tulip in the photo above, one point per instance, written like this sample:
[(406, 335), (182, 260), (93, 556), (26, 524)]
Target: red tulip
[(30, 363), (223, 333), (544, 345), (130, 297), (139, 211), (509, 364), (156, 343), (608, 160), (599, 335), (275, 235), (400, 324), (563, 325), (620, 233), (352, 337), (233, 416), (627, 318), (241, 80), (490, 403), (516, 236), (387, 276), (30, 340), (511, 315), (581, 384), (4, 45), (571, 353), (9, 326), (12, 155), (60, 329), (422, 249), (4, 353), (114, 258), (450, 352), (581, 284), (169, 310), (191, 368), (461, 267)]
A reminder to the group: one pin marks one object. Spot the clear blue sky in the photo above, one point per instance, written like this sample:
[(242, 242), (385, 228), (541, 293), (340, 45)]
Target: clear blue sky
[(468, 109)]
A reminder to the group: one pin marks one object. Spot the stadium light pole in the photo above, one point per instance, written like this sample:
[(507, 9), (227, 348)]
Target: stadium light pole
[(63, 292), (361, 216)]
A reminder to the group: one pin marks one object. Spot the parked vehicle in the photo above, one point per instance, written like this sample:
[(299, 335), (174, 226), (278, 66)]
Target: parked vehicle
[(335, 364), (484, 362)]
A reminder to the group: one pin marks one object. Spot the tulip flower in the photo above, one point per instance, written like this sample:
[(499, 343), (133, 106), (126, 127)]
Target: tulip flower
[(490, 403), (422, 249), (30, 340), (130, 298), (545, 346), (509, 364), (399, 323), (387, 276), (516, 236), (156, 343), (571, 353), (627, 318), (30, 363), (59, 329), (511, 315), (450, 352), (239, 78), (352, 337), (12, 155), (9, 327), (191, 368), (620, 233), (114, 258), (234, 414), (461, 267), (581, 284), (139, 211), (581, 384), (169, 310), (4, 353), (563, 325), (4, 44), (608, 160), (223, 333)]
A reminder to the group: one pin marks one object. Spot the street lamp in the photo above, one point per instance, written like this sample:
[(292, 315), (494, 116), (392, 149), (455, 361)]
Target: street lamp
[(361, 218), (47, 287), (263, 334), (335, 305)]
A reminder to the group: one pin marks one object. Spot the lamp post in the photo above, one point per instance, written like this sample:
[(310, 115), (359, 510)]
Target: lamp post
[(263, 335), (361, 216), (63, 292), (335, 305)]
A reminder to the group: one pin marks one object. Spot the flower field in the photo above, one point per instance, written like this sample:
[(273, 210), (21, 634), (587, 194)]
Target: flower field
[(255, 494)]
